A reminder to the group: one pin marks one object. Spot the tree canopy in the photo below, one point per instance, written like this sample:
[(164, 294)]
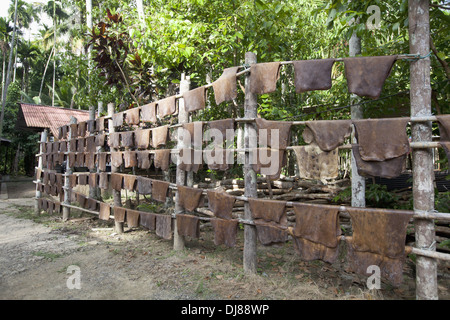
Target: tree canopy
[(133, 61)]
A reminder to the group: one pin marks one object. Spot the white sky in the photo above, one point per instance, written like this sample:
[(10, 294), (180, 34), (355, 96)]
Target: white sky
[(4, 5)]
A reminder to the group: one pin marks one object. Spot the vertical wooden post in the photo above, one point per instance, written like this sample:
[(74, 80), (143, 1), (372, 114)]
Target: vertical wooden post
[(69, 171), (38, 180), (423, 175), (118, 226), (92, 190), (99, 149), (183, 117), (358, 182), (250, 111)]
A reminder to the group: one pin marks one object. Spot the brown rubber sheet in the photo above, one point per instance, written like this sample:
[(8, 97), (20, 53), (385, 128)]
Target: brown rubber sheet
[(114, 140), (221, 204), (188, 225), (314, 163), (119, 214), (282, 129), (225, 88), (167, 106), (159, 190), (129, 182), (143, 159), (148, 220), (189, 198), (268, 210), (264, 77), (144, 185), (103, 180), (329, 134), (386, 169), (130, 159), (313, 74), (117, 119), (378, 238), (148, 112), (268, 162), (164, 226), (190, 159), (195, 99), (127, 139), (225, 231), (219, 159), (194, 131), (133, 218), (444, 130), (142, 138), (162, 159), (382, 139), (221, 126), (116, 159), (160, 136), (316, 232), (366, 75), (116, 181), (132, 116)]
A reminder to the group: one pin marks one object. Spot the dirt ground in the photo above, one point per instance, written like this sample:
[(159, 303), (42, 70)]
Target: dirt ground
[(36, 252)]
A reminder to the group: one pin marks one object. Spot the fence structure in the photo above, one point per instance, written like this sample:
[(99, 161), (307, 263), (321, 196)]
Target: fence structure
[(138, 137)]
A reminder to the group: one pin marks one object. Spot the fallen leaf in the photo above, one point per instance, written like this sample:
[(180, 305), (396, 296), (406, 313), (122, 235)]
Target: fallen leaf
[(219, 276)]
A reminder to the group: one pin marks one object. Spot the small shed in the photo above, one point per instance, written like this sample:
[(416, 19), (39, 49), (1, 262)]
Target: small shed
[(36, 118)]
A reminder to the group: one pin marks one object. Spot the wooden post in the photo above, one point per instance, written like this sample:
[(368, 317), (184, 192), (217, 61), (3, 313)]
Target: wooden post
[(358, 182), (38, 192), (423, 175), (250, 111), (118, 226), (69, 171), (92, 190), (98, 150), (183, 117)]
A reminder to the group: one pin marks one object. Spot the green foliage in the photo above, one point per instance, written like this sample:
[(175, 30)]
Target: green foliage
[(377, 196)]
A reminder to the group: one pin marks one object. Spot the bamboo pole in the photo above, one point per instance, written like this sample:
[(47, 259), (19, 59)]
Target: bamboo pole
[(69, 171), (44, 135), (183, 117), (118, 226), (250, 111), (423, 189)]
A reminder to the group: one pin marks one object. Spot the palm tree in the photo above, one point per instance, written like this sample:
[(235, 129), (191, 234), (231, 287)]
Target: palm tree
[(26, 13), (27, 53), (5, 31), (8, 75)]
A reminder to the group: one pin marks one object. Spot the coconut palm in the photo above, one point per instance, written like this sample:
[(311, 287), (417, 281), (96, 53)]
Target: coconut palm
[(26, 53)]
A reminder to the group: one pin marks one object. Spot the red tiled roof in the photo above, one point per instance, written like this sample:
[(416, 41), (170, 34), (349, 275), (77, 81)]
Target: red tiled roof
[(38, 116)]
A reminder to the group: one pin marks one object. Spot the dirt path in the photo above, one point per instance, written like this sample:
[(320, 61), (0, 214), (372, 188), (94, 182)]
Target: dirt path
[(36, 252)]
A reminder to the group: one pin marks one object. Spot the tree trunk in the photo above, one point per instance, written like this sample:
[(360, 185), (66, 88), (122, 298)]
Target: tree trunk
[(358, 182), (16, 160)]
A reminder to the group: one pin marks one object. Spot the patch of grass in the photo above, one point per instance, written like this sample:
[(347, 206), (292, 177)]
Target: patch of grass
[(64, 269), (47, 255)]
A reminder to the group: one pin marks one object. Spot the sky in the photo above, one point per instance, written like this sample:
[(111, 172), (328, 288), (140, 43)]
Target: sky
[(4, 5)]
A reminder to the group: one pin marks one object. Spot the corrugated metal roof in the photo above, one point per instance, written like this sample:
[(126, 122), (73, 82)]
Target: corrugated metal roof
[(38, 116)]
